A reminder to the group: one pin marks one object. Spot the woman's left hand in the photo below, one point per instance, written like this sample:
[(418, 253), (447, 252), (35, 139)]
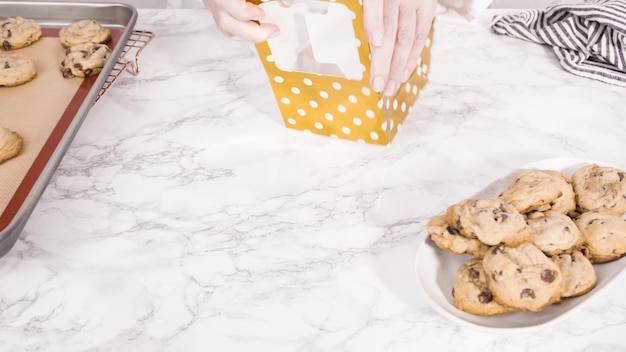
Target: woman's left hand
[(396, 31)]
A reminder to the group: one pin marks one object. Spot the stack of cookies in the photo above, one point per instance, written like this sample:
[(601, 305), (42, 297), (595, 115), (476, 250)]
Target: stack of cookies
[(537, 242)]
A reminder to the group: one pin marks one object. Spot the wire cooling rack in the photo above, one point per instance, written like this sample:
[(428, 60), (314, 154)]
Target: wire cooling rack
[(137, 41)]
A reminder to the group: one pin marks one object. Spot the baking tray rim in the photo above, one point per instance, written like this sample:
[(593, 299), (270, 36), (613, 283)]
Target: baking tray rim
[(10, 234)]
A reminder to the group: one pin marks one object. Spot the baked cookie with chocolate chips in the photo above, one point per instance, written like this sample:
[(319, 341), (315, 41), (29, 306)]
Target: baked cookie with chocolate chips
[(448, 238), (540, 190), (16, 69), (601, 188), (18, 32), (10, 144), (471, 293), (490, 220), (84, 31), (604, 235), (579, 275), (554, 232), (84, 60), (523, 277)]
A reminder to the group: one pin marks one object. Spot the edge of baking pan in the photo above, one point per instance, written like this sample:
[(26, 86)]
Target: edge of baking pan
[(58, 14)]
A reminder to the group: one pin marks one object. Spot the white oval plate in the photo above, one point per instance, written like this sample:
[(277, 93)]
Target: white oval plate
[(436, 272)]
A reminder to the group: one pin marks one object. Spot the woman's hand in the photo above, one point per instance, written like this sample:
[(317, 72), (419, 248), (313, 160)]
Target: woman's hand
[(238, 18), (396, 31)]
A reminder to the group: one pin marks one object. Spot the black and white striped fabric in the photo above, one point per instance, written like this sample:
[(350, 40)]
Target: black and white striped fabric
[(589, 39)]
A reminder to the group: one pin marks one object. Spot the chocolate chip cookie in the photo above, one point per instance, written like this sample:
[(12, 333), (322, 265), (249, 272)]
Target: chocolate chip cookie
[(84, 60), (523, 277), (10, 144), (16, 69), (471, 293), (490, 220), (18, 32), (84, 31), (604, 234), (579, 275), (540, 190), (601, 188), (448, 238), (554, 232)]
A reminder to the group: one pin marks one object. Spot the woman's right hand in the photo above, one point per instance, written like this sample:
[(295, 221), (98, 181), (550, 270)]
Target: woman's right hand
[(239, 18)]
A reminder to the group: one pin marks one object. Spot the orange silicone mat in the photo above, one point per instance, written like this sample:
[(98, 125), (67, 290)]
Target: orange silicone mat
[(40, 111)]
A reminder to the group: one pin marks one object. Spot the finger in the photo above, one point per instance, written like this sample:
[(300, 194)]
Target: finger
[(425, 15), (405, 36), (382, 55), (238, 9), (240, 19), (373, 22), (251, 31)]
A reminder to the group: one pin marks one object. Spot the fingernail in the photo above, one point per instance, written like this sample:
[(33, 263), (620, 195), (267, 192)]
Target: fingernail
[(274, 35), (391, 88), (378, 84), (377, 39), (407, 75)]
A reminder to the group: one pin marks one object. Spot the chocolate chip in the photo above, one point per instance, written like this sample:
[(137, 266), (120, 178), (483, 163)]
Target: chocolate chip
[(547, 276), (485, 297), (67, 73), (6, 45), (495, 274), (475, 273), (503, 216), (6, 65), (566, 229), (527, 292), (452, 230), (88, 72), (498, 249), (78, 66), (621, 176), (9, 34)]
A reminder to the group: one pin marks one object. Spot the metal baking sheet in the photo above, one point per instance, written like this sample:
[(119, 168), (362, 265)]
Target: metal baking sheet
[(24, 178)]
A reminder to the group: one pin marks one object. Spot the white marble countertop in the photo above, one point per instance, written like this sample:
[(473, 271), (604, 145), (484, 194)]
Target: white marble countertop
[(186, 217)]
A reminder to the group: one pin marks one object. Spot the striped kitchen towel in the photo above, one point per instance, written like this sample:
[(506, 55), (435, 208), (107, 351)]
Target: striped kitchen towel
[(588, 39)]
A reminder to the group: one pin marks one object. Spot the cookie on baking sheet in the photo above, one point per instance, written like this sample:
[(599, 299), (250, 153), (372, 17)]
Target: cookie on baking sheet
[(84, 60), (448, 238), (604, 234), (579, 274), (540, 190), (16, 69), (18, 32), (600, 188), (523, 277), (471, 293), (10, 144), (490, 220), (83, 31), (554, 232)]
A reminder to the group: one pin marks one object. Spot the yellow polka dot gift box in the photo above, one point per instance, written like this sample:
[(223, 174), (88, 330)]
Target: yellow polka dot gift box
[(318, 68)]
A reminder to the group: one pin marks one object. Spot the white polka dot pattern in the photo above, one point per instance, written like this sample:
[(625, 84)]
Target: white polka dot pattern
[(343, 108)]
